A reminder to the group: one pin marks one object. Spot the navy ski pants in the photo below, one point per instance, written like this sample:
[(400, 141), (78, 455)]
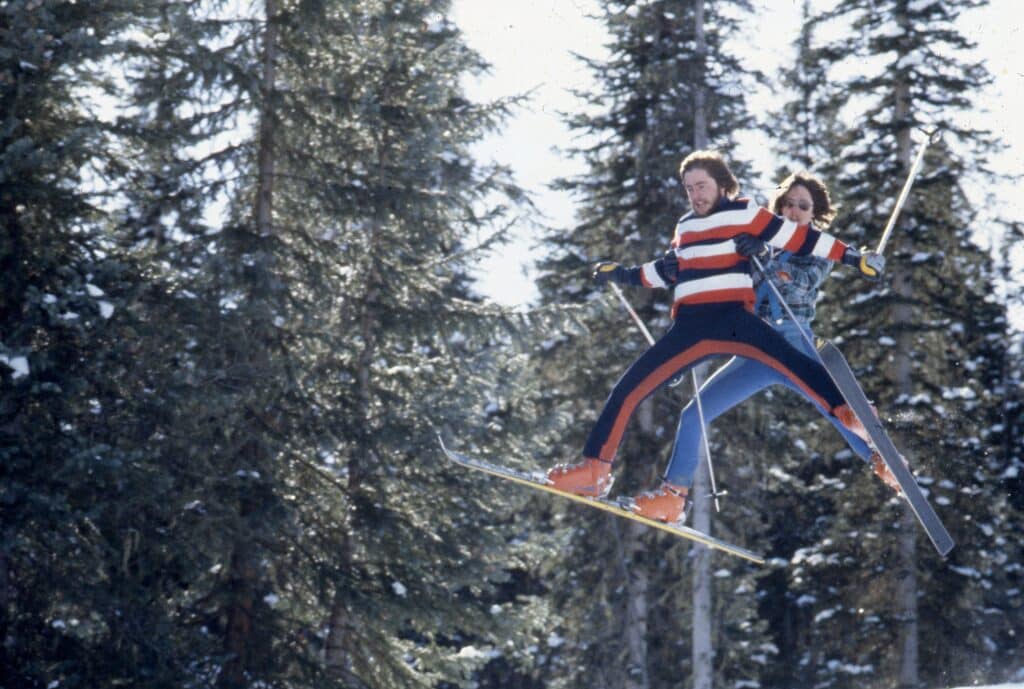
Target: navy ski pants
[(700, 332)]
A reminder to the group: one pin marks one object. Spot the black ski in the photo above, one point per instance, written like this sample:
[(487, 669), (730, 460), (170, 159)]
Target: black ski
[(842, 374)]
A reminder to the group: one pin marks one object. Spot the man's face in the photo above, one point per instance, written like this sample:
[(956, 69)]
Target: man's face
[(701, 190)]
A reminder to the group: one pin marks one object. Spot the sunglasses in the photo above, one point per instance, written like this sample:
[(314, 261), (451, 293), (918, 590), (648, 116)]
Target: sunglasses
[(802, 205)]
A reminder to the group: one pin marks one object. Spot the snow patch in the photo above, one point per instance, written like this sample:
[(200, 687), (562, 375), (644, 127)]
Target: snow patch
[(850, 669), (106, 308), (920, 398), (961, 393), (824, 615), (967, 572), (18, 364), (437, 24), (474, 653)]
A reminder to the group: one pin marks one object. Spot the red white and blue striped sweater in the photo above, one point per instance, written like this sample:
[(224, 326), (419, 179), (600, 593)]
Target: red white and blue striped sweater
[(703, 265)]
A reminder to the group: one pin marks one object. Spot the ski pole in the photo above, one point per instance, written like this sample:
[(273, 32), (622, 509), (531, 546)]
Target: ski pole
[(902, 198), (696, 390)]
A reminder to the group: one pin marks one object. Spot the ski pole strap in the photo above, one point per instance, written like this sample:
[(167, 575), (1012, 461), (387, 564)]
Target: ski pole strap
[(902, 198)]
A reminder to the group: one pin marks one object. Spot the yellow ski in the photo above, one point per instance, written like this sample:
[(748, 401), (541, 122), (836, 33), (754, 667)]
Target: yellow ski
[(539, 482)]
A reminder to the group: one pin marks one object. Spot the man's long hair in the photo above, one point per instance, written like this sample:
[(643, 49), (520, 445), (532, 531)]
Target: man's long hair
[(824, 211), (714, 164)]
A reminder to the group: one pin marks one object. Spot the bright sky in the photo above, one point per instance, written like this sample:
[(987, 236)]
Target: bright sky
[(530, 44)]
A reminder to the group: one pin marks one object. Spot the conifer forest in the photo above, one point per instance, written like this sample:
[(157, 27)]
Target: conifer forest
[(239, 243)]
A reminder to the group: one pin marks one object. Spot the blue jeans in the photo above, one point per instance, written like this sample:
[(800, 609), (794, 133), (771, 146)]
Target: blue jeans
[(727, 387)]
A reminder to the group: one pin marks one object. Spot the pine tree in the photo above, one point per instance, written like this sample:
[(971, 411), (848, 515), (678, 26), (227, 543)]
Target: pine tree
[(642, 124), (800, 458), (235, 479), (927, 344), (66, 339), (1009, 435), (341, 262), (804, 129)]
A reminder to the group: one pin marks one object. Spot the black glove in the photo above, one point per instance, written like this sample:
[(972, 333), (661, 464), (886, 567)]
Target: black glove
[(869, 263), (749, 245), (609, 270)]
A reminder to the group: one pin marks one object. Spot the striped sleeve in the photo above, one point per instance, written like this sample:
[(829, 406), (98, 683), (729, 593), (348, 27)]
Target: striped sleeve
[(662, 272), (650, 276), (800, 240)]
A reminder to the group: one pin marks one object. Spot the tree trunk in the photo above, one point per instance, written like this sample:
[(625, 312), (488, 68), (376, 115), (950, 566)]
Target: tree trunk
[(239, 634), (265, 156), (337, 656), (239, 613), (635, 634), (906, 595), (637, 582), (903, 316), (700, 117), (12, 274), (703, 651)]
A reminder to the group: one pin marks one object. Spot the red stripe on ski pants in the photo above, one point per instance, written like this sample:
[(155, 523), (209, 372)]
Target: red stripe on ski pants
[(699, 332)]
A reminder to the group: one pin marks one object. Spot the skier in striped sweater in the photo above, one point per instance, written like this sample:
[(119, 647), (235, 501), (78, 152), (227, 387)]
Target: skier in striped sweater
[(709, 270), (802, 198)]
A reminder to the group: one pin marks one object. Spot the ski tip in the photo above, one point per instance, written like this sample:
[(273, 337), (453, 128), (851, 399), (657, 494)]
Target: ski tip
[(452, 456)]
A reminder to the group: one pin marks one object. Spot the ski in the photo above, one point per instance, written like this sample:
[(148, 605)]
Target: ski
[(851, 390), (539, 482)]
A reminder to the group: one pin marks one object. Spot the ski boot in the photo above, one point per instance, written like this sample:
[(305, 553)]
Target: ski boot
[(592, 477), (883, 472), (666, 504), (846, 416)]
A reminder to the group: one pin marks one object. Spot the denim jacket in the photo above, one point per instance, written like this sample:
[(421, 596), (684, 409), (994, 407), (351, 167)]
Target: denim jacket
[(798, 278)]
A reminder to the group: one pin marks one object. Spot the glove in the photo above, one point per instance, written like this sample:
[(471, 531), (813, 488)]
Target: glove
[(869, 263), (609, 270), (749, 245)]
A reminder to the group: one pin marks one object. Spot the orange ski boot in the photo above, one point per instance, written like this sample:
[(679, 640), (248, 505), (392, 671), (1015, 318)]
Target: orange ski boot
[(592, 477), (666, 504), (846, 416), (883, 472)]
